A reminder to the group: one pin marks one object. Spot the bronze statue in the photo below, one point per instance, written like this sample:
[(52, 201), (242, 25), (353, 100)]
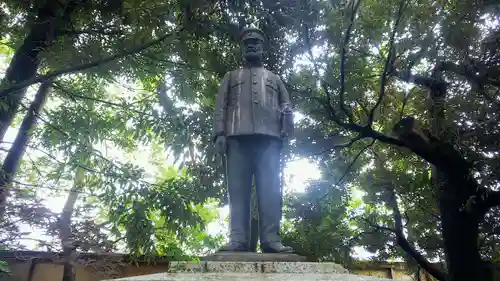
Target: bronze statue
[(252, 116)]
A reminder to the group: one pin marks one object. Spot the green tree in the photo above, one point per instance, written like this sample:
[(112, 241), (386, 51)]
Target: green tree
[(399, 98), (386, 65)]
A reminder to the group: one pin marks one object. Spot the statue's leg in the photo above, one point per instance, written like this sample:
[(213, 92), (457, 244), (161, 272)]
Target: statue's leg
[(239, 184), (267, 176)]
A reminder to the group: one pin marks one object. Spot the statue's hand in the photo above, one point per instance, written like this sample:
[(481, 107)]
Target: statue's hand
[(287, 126), (220, 144)]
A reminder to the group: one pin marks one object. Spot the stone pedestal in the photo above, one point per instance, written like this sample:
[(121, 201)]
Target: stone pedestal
[(254, 257), (256, 271)]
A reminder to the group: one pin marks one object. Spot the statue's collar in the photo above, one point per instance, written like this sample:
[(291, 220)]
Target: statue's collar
[(249, 65)]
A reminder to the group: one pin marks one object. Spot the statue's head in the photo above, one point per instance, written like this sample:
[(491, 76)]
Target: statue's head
[(252, 44)]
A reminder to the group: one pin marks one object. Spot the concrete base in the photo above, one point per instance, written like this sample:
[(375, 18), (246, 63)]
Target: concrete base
[(258, 271), (254, 257), (253, 277)]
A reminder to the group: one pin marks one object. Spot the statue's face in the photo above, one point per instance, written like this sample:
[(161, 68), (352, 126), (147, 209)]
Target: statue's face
[(253, 49)]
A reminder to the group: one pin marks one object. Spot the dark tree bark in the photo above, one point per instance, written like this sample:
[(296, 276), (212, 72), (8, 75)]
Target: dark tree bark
[(460, 236), (16, 152), (454, 185), (26, 60), (460, 228), (453, 181)]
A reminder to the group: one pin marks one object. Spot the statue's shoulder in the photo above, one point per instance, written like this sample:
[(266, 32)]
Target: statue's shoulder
[(229, 73), (272, 75), (234, 72)]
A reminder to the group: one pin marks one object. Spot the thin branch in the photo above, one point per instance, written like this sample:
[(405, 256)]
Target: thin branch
[(379, 227), (105, 30), (388, 63), (174, 63), (487, 97), (363, 106), (343, 58), (468, 69), (349, 167), (37, 115), (43, 186), (73, 94), (354, 161), (481, 204), (88, 169), (358, 236), (367, 54), (421, 80), (40, 78), (417, 203), (337, 146), (324, 84), (405, 100), (495, 232)]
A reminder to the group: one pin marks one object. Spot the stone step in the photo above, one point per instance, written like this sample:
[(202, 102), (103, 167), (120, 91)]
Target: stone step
[(251, 276), (259, 271)]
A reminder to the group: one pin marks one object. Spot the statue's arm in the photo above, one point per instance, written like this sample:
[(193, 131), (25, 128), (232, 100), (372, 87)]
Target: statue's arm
[(220, 107), (285, 104), (286, 108)]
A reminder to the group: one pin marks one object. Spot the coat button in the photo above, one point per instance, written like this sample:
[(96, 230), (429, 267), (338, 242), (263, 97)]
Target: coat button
[(255, 82)]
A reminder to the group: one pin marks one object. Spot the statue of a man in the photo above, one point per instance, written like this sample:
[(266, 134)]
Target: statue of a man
[(252, 115)]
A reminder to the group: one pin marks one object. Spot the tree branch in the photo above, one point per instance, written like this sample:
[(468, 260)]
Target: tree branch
[(483, 202), (405, 244), (39, 117), (337, 146), (40, 78), (429, 148), (379, 227), (405, 101), (343, 53), (70, 93), (388, 63), (492, 198), (110, 30), (423, 81), (487, 97), (324, 84), (470, 72)]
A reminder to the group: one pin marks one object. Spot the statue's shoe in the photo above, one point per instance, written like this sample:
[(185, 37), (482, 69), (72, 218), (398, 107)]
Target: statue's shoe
[(233, 247), (276, 247)]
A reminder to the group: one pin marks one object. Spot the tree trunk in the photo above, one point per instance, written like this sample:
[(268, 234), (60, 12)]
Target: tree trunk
[(460, 235), (65, 233), (460, 229), (11, 161), (26, 60)]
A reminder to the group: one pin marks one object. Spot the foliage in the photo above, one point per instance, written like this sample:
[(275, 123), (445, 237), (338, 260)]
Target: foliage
[(4, 268), (355, 69)]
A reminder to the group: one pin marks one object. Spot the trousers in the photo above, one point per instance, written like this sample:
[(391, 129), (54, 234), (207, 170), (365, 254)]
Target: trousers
[(256, 156)]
